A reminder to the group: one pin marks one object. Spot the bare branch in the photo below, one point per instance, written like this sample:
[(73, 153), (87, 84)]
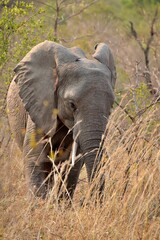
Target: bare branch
[(146, 49), (43, 3), (79, 12), (142, 111), (66, 3), (150, 39), (135, 35), (56, 19), (127, 113), (154, 21), (59, 8)]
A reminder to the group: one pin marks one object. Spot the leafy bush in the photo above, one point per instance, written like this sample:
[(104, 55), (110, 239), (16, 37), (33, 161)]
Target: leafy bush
[(22, 26)]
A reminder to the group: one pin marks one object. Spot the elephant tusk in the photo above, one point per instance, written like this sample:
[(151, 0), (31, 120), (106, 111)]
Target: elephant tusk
[(74, 151)]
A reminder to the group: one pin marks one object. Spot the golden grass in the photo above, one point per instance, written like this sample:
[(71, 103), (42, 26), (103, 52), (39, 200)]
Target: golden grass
[(131, 206)]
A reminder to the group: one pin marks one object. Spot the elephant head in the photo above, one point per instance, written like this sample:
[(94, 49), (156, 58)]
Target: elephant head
[(60, 85)]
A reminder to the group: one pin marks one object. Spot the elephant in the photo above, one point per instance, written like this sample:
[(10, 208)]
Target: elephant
[(59, 102)]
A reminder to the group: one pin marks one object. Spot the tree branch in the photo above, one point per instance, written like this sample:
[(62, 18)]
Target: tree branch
[(43, 3), (146, 49), (150, 39), (126, 112), (79, 12), (135, 35)]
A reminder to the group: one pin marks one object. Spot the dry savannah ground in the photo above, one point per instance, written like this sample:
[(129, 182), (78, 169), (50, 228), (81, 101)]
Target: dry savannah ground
[(131, 206), (131, 162)]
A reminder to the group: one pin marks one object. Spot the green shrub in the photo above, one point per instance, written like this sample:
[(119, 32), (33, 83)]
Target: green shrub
[(21, 27)]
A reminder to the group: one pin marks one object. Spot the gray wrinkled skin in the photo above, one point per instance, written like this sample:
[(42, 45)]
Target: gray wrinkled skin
[(56, 89)]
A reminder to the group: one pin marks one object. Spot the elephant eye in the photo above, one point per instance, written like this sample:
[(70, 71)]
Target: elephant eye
[(72, 106)]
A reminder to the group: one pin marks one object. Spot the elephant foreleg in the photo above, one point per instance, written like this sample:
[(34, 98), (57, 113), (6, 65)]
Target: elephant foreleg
[(70, 176), (37, 164)]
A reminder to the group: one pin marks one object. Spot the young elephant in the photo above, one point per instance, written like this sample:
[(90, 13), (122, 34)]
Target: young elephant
[(60, 101)]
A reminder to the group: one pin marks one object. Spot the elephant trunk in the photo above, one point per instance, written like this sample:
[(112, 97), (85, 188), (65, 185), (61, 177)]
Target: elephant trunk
[(91, 129), (90, 148)]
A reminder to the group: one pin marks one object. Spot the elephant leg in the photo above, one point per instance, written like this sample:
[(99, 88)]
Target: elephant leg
[(36, 175), (37, 164), (71, 178)]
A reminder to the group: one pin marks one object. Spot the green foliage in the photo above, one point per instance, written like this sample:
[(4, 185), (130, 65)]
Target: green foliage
[(22, 26), (141, 99), (140, 12), (139, 2)]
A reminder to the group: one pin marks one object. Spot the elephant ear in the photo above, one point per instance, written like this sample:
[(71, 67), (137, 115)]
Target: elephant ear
[(104, 55), (37, 78)]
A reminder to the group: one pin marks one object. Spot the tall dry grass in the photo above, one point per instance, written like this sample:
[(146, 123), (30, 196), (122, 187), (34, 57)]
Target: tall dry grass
[(131, 204)]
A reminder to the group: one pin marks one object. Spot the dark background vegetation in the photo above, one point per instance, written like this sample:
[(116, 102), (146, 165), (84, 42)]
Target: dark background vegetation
[(132, 29)]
